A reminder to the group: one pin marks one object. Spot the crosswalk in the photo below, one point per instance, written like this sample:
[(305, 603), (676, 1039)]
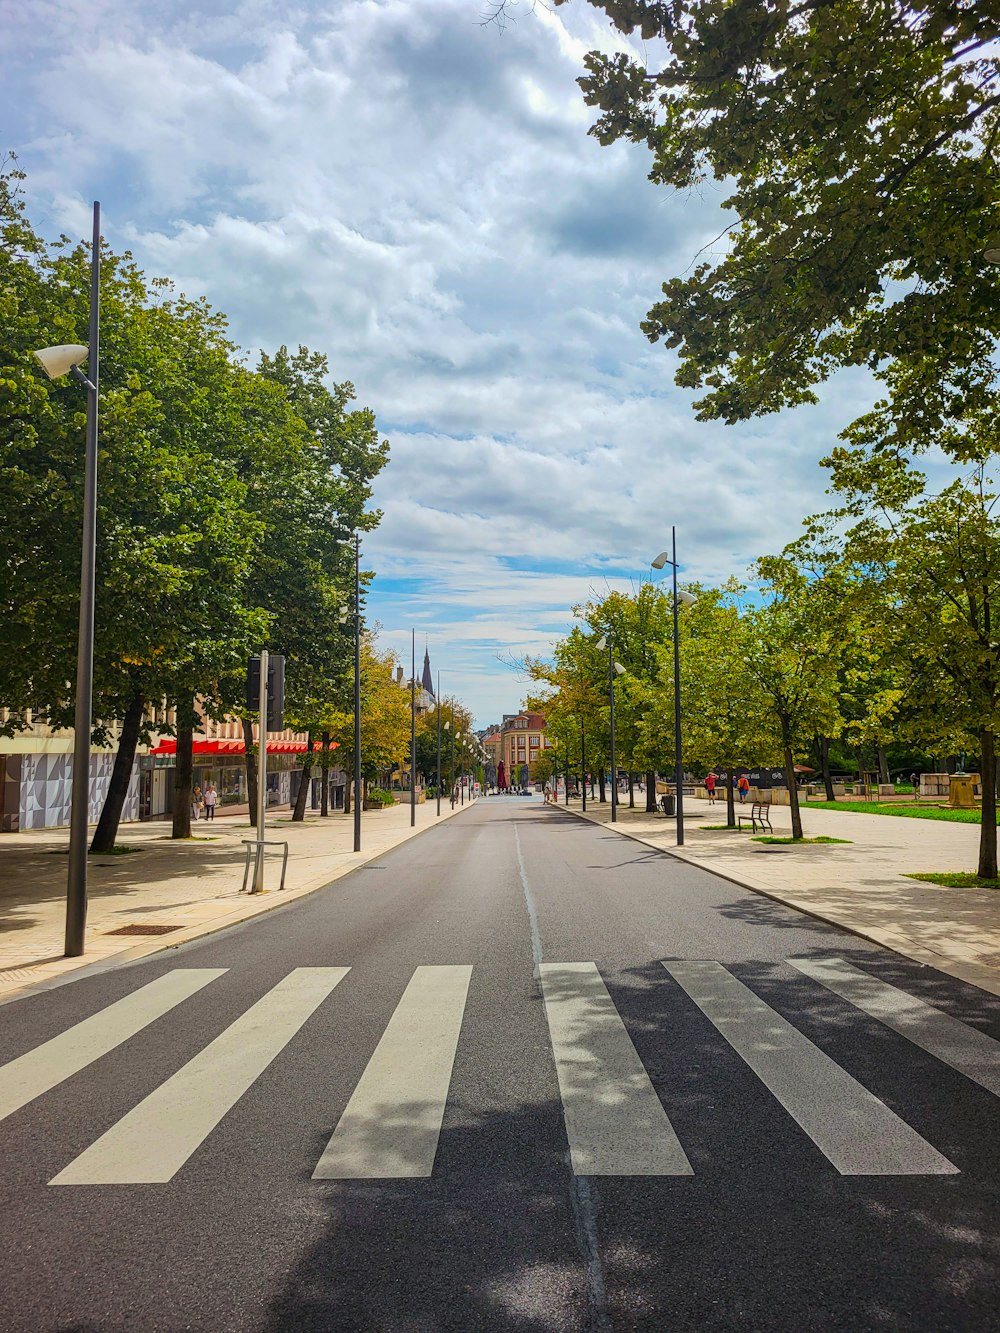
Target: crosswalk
[(616, 1113)]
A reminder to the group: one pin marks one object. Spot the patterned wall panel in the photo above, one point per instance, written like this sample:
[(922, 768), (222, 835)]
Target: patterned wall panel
[(46, 782)]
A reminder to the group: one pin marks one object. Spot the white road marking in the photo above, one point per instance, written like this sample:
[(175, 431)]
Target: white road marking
[(972, 1053), (155, 1139), (39, 1070), (615, 1122), (391, 1126), (856, 1131)]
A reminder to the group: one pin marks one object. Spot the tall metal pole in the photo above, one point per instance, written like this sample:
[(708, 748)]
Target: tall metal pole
[(258, 865), (461, 776), (76, 885), (679, 764), (413, 727), (614, 771), (439, 745), (357, 691), (583, 764)]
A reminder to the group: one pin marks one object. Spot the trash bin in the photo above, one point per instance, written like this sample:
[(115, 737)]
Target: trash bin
[(667, 806)]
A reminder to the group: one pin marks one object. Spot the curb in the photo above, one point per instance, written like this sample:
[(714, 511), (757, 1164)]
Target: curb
[(975, 974), (161, 944)]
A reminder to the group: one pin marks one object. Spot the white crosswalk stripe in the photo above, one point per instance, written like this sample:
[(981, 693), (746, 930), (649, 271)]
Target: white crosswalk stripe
[(391, 1126), (856, 1131), (156, 1138), (950, 1040), (39, 1070), (615, 1122)]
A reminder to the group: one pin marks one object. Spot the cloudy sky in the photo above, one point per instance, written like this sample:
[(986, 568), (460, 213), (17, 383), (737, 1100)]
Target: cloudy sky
[(414, 192)]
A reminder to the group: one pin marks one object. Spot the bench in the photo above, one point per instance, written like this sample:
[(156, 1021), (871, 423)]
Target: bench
[(760, 813)]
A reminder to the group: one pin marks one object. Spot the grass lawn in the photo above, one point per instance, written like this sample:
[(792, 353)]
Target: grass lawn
[(720, 828), (797, 842), (900, 811), (958, 879)]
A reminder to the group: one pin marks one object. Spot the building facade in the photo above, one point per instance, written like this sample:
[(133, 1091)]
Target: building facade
[(516, 743)]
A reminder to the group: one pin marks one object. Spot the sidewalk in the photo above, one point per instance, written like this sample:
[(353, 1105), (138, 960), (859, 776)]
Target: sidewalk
[(190, 888), (860, 886)]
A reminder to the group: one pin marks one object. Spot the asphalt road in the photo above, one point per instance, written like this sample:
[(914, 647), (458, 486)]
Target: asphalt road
[(520, 1074)]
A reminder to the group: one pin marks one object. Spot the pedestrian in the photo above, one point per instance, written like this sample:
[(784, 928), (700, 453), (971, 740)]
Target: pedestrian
[(710, 787), (743, 786), (197, 802), (454, 795), (915, 784), (211, 800), (547, 792)]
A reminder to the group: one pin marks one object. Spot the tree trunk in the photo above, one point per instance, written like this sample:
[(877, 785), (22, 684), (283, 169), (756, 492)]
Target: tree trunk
[(730, 800), (793, 791), (650, 792), (883, 765), (299, 813), (988, 831), (324, 796), (603, 799), (251, 765), (631, 790), (183, 773), (824, 761), (111, 812)]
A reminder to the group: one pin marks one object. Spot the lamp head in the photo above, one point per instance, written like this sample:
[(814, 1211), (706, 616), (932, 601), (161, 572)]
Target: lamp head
[(992, 252), (602, 643), (662, 559), (686, 598), (56, 361), (619, 668)]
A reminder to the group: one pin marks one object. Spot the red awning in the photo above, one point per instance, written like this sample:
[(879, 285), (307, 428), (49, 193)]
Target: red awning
[(168, 745)]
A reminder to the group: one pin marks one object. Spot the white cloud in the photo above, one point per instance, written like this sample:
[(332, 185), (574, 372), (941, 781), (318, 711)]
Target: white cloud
[(416, 194)]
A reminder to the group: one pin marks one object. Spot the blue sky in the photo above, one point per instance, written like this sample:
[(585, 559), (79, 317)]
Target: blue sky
[(415, 193)]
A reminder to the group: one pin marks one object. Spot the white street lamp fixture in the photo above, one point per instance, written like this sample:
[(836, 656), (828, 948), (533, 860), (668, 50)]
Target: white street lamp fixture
[(992, 252), (62, 360)]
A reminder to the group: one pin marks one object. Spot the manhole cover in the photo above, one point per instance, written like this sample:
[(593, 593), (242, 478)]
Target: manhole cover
[(144, 930)]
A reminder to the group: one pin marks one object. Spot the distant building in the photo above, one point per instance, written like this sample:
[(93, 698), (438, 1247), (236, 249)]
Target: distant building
[(517, 742)]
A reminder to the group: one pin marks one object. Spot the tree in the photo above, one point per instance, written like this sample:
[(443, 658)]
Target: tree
[(385, 717), (860, 141)]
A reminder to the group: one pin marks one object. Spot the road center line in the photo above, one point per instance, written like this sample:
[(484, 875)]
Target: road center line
[(857, 1132), (155, 1139), (391, 1125), (39, 1070)]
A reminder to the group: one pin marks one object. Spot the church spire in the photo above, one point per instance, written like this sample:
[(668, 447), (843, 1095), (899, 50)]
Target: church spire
[(427, 681)]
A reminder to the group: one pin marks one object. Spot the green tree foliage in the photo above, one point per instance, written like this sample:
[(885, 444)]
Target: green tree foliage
[(223, 497), (859, 142)]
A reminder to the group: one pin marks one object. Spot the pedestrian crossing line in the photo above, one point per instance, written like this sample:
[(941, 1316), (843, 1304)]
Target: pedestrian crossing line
[(153, 1141), (391, 1125), (615, 1123), (41, 1069), (857, 1132), (948, 1039)]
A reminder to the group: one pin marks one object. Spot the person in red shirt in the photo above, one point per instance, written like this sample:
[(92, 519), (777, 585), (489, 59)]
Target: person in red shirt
[(743, 786), (710, 788)]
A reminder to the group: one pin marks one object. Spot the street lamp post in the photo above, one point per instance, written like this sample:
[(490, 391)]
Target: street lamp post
[(58, 361), (671, 560), (613, 667), (357, 691), (583, 765), (439, 744), (413, 727), (455, 737)]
